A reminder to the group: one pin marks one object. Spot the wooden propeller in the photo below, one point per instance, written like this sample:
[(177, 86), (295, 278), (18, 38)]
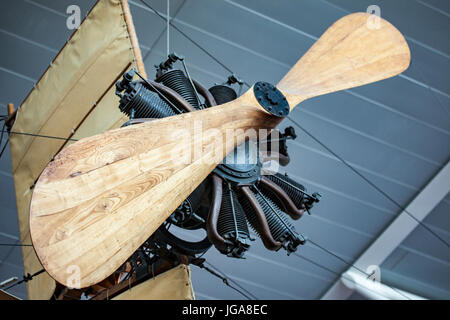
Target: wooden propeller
[(103, 196)]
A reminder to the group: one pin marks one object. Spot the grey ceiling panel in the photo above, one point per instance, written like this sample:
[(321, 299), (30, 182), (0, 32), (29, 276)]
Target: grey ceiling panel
[(422, 262), (255, 34), (13, 87), (160, 6), (34, 23), (8, 202), (346, 209), (239, 59), (413, 269), (304, 19), (34, 59), (11, 254), (440, 218), (405, 130), (442, 5), (429, 68), (9, 226), (334, 174), (149, 26), (381, 124), (414, 285), (5, 161), (60, 7), (418, 21), (422, 241), (8, 270), (396, 133), (407, 140), (263, 279), (300, 261), (421, 106), (335, 237), (262, 267)]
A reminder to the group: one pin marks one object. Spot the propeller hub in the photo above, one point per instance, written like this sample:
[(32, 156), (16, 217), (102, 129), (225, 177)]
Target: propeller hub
[(271, 99)]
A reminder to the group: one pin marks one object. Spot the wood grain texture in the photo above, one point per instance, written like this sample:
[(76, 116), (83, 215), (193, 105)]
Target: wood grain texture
[(69, 98), (103, 196), (349, 54)]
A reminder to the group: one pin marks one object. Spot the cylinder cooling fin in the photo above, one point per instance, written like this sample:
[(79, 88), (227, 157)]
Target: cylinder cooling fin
[(280, 228), (223, 94), (235, 196), (177, 81), (138, 101), (293, 189), (232, 224)]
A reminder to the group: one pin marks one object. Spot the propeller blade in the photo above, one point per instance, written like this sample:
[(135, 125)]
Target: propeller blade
[(103, 196), (353, 52)]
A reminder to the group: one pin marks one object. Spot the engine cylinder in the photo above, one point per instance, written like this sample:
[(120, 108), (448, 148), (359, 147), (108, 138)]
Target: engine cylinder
[(232, 224), (223, 94), (177, 81), (143, 102), (280, 228), (294, 190)]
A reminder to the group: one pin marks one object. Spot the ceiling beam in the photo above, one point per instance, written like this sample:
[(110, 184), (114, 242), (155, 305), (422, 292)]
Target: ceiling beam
[(427, 199), (374, 290)]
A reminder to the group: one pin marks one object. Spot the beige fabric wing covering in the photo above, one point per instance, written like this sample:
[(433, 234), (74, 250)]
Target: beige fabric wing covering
[(73, 99), (174, 284)]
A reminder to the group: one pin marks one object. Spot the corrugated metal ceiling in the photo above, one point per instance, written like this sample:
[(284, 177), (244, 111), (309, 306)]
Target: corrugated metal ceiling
[(395, 132)]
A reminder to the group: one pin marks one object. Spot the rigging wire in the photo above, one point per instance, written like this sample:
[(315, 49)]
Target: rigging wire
[(168, 27), (231, 280), (318, 141), (336, 256), (345, 276), (30, 134), (192, 40), (39, 135), (352, 265), (1, 140), (3, 130), (15, 245), (430, 91), (187, 37), (4, 147), (26, 134), (26, 278), (192, 84), (373, 185), (313, 137), (224, 279), (158, 92), (162, 33)]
